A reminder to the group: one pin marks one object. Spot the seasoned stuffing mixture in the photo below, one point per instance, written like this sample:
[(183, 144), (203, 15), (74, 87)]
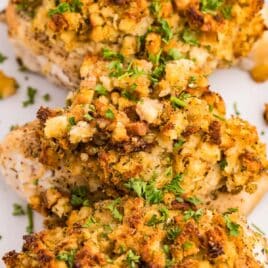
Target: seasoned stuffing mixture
[(206, 33), (129, 232), (130, 123)]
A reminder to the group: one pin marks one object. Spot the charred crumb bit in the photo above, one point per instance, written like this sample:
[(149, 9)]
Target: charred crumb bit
[(58, 23), (265, 113), (43, 114), (215, 132)]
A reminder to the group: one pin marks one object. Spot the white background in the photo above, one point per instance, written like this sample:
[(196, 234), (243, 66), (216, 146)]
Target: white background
[(234, 85)]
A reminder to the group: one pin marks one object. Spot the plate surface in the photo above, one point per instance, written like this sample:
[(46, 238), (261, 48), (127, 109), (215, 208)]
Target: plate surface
[(234, 85)]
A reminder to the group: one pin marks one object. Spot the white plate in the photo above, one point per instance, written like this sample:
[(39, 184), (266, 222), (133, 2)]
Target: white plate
[(234, 85)]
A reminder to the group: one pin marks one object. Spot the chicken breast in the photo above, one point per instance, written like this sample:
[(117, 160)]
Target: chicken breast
[(130, 123), (131, 232), (52, 37)]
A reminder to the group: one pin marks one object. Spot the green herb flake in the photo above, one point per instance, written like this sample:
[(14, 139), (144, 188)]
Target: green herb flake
[(227, 12), (111, 55), (31, 93), (113, 208), (165, 30), (132, 259), (190, 37), (18, 210), (109, 114), (116, 68), (79, 196), (101, 90), (88, 117), (236, 109), (223, 164), (30, 225), (173, 232), (3, 58), (175, 185), (178, 144), (71, 121), (210, 6), (232, 227), (46, 97), (73, 6), (194, 200), (129, 94), (68, 257), (175, 54), (89, 222), (187, 245), (196, 215), (221, 118), (166, 249), (155, 8), (156, 220), (177, 103)]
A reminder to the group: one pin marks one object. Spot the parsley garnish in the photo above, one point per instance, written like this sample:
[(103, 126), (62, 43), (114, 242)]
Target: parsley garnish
[(258, 229), (173, 232), (178, 144), (116, 68), (165, 30), (89, 222), (158, 72), (156, 220), (179, 102), (193, 214), (236, 109), (46, 97), (132, 259), (30, 226), (232, 227), (129, 94), (111, 55), (155, 8), (18, 210), (31, 93), (71, 121), (79, 196), (194, 200), (175, 54), (190, 37), (68, 257), (174, 186), (227, 12), (146, 190), (210, 6), (187, 245), (73, 6), (223, 163), (2, 58), (101, 90), (115, 212), (109, 114)]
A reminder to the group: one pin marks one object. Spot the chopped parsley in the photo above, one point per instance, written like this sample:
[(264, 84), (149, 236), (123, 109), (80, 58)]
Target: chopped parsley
[(179, 102), (258, 229), (113, 208), (111, 55), (227, 12), (46, 97), (101, 90), (18, 210), (73, 6), (223, 164), (193, 214), (174, 54), (31, 93), (236, 109), (116, 68), (30, 226), (2, 58), (109, 114), (155, 8), (173, 232), (175, 185), (146, 190), (89, 222), (132, 259), (129, 94), (219, 117), (194, 200), (68, 257), (232, 227), (165, 31), (210, 6), (262, 132), (178, 144), (156, 220), (190, 37), (79, 196), (187, 245), (158, 72), (71, 121)]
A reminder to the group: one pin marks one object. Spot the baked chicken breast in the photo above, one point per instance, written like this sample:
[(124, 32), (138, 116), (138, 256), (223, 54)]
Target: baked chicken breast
[(138, 122), (129, 232), (52, 37)]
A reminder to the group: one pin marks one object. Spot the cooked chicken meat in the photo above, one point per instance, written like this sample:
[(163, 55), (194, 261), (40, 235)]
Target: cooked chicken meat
[(52, 37), (129, 232), (131, 122)]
